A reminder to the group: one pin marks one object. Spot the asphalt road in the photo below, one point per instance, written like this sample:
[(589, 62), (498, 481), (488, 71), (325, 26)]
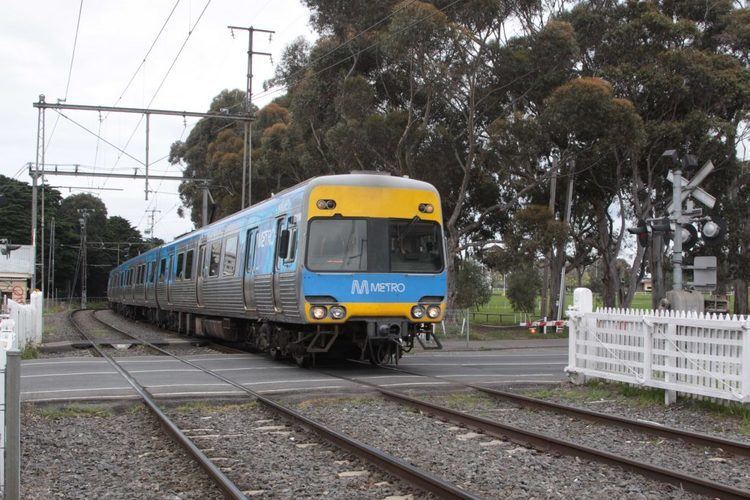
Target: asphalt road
[(65, 379)]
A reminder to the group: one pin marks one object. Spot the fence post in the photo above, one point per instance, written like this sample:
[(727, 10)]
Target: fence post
[(13, 425), (670, 396), (647, 351), (745, 389), (582, 304)]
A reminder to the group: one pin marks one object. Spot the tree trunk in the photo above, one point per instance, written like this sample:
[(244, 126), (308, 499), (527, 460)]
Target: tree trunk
[(450, 267), (636, 274), (740, 296), (656, 261)]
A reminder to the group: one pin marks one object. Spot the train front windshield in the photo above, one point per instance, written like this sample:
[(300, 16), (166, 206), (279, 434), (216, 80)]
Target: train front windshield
[(374, 245)]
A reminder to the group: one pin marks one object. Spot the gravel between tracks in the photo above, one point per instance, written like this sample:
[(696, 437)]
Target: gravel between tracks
[(262, 453), (104, 451), (699, 461), (686, 414), (152, 333), (485, 465)]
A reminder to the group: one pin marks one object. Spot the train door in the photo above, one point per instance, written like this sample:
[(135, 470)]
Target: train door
[(144, 280), (275, 289), (284, 265), (168, 280), (200, 275), (150, 282), (248, 277)]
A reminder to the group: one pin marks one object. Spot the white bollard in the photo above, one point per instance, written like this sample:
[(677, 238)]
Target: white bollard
[(583, 300)]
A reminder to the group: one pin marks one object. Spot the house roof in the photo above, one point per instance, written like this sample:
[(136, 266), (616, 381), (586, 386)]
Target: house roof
[(19, 262)]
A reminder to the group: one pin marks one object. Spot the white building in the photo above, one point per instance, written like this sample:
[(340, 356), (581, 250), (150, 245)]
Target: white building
[(16, 270)]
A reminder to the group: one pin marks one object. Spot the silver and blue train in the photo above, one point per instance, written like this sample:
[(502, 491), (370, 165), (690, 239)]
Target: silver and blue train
[(337, 266)]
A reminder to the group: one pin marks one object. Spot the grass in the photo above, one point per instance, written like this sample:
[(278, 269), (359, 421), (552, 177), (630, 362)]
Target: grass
[(209, 406), (74, 411), (30, 352)]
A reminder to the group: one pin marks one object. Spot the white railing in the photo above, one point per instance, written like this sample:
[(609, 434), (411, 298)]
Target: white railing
[(687, 352), (27, 319)]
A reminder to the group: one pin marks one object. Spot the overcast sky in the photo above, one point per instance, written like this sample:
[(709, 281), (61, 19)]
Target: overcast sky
[(36, 44)]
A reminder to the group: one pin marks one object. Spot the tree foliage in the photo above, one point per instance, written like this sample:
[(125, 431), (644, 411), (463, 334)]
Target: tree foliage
[(474, 284), (523, 288)]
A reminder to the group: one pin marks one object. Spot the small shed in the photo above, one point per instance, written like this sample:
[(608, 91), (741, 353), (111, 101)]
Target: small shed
[(16, 270)]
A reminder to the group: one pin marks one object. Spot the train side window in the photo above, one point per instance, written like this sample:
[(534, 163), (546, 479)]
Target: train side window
[(201, 260), (252, 237), (138, 274), (141, 273), (213, 266), (291, 253), (163, 269), (180, 265), (189, 257), (230, 255)]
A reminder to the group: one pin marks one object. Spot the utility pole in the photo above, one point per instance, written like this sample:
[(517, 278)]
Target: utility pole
[(152, 213), (568, 206), (84, 266), (34, 177), (247, 157), (548, 265), (51, 267)]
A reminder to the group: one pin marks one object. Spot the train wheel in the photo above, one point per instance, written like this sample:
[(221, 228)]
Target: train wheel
[(380, 353), (275, 353), (303, 360)]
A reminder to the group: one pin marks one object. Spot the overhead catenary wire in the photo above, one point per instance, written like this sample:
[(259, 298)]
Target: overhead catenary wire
[(347, 42), (70, 71), (161, 83)]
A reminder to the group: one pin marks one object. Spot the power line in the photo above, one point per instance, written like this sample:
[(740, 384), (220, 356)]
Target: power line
[(164, 79), (344, 44), (148, 52), (284, 87), (70, 70)]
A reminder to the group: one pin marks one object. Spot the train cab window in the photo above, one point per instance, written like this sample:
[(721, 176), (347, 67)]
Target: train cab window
[(213, 266), (180, 265), (230, 255), (337, 245), (189, 257), (415, 247), (252, 238), (163, 269)]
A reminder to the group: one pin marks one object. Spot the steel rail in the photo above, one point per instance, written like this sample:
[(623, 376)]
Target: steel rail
[(546, 442), (697, 438), (393, 465), (229, 489)]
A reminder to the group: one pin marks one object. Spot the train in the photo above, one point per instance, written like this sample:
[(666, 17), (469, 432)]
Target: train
[(338, 266)]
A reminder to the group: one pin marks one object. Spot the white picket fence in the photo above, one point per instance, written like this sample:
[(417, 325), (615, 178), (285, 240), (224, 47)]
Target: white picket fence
[(687, 352), (27, 321)]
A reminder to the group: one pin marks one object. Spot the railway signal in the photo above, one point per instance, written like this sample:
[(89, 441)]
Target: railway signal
[(641, 231)]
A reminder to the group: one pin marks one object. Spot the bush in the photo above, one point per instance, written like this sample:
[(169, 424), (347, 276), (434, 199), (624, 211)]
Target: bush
[(523, 287), (473, 285)]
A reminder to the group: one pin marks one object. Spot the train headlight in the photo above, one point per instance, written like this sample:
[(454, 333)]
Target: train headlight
[(318, 312), (417, 312), (337, 312), (426, 208), (433, 312), (325, 204)]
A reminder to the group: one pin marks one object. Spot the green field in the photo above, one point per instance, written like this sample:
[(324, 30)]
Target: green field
[(499, 311)]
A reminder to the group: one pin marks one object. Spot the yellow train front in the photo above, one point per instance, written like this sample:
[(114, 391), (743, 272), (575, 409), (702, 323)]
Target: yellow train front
[(337, 266), (374, 263)]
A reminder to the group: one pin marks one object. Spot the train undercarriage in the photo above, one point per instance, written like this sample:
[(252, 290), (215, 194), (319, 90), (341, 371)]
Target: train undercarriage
[(380, 341)]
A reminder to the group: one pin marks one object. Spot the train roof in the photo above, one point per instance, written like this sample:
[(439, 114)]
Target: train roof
[(356, 178)]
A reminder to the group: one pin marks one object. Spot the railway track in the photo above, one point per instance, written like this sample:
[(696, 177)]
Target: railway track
[(546, 442), (229, 489), (390, 464)]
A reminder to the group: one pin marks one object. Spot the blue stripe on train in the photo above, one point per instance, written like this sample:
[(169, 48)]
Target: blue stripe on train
[(374, 287)]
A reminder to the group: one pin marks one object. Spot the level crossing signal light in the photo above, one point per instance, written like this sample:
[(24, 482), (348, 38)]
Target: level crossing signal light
[(713, 230), (641, 231)]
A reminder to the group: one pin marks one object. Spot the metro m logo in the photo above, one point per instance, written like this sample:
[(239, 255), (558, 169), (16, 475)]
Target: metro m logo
[(360, 287), (364, 287)]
